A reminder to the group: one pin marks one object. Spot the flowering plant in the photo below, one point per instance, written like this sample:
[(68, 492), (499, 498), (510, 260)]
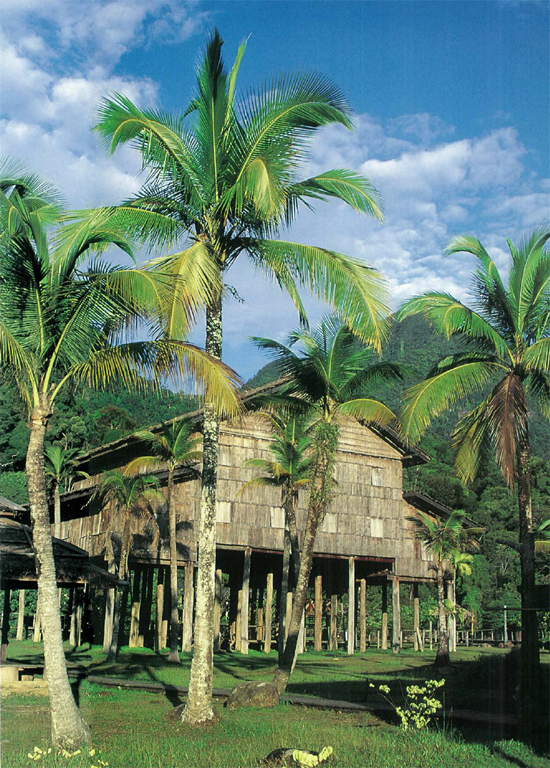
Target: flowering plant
[(421, 705)]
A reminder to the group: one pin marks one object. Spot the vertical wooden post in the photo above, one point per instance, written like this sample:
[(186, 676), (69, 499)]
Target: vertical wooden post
[(73, 633), (288, 612), (396, 605), (79, 611), (238, 633), (268, 612), (431, 635), (318, 643), (416, 619), (160, 607), (302, 635), (165, 609), (134, 613), (333, 622), (384, 627), (217, 608), (5, 624), (143, 608), (245, 602), (363, 616), (351, 606), (21, 616), (188, 603)]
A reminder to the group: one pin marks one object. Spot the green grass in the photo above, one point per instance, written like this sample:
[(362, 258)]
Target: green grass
[(134, 730)]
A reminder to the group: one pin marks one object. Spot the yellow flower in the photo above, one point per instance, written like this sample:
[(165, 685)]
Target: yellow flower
[(91, 752)]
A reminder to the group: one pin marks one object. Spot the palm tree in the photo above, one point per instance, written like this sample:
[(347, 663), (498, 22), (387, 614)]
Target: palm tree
[(460, 565), (60, 467), (63, 322), (171, 448), (507, 350), (442, 538), (131, 495), (222, 176), (330, 374), (290, 470)]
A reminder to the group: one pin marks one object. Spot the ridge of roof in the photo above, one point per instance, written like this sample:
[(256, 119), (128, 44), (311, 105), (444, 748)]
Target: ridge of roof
[(412, 455)]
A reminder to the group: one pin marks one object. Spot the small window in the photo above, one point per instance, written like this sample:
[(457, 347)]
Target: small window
[(377, 476), (377, 527), (329, 524), (426, 554), (277, 517), (97, 524), (223, 512)]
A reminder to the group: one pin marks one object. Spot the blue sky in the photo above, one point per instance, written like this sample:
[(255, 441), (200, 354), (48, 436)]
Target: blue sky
[(452, 118)]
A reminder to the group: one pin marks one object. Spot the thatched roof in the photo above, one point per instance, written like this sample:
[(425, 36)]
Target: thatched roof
[(17, 563), (411, 454)]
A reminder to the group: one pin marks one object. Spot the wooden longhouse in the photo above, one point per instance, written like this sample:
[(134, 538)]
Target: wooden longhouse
[(366, 539)]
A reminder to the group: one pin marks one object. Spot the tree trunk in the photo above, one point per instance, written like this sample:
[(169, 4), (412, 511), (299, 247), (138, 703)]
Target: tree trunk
[(57, 511), (198, 709), (290, 503), (326, 443), (121, 591), (529, 679), (174, 656), (283, 629), (68, 727), (442, 658)]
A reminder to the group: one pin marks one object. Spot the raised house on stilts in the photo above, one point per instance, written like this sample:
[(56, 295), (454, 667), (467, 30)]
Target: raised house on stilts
[(366, 542)]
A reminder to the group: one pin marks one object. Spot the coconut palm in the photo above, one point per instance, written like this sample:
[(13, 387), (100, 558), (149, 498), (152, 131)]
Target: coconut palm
[(132, 496), (172, 447), (443, 539), (290, 470), (506, 334), (222, 176), (60, 467), (64, 319), (331, 374)]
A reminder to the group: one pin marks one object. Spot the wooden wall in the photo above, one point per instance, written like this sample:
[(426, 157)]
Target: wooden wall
[(367, 516)]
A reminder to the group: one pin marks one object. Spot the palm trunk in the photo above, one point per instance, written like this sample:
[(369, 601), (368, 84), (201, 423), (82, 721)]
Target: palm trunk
[(69, 730), (174, 656), (283, 595), (121, 591), (199, 708), (320, 495), (442, 658), (290, 515), (57, 511), (530, 660)]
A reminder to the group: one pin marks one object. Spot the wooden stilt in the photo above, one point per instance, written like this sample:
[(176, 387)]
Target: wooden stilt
[(416, 619), (245, 603), (79, 615), (260, 622), (238, 634), (384, 627), (134, 615), (396, 606), (73, 634), (363, 616), (21, 616), (288, 612), (188, 604), (334, 622), (268, 612), (302, 635), (318, 642), (160, 607), (143, 612), (5, 624), (217, 608), (109, 599), (166, 608), (351, 606)]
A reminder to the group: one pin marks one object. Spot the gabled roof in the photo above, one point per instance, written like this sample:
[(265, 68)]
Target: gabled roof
[(411, 454), (10, 506), (432, 507)]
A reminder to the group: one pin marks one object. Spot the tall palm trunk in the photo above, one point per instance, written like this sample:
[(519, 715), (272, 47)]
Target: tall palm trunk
[(57, 511), (174, 656), (291, 552), (291, 501), (442, 658), (530, 660), (68, 727), (121, 591), (199, 699), (283, 595), (320, 495)]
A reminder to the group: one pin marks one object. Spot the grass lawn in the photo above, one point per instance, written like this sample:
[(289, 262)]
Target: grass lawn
[(134, 729)]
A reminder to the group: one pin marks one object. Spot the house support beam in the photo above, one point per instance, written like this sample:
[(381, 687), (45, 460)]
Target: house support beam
[(351, 606), (245, 603), (396, 606), (384, 623), (268, 612), (363, 615), (318, 643)]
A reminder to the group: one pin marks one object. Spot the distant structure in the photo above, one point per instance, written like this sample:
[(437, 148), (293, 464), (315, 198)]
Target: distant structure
[(366, 540)]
